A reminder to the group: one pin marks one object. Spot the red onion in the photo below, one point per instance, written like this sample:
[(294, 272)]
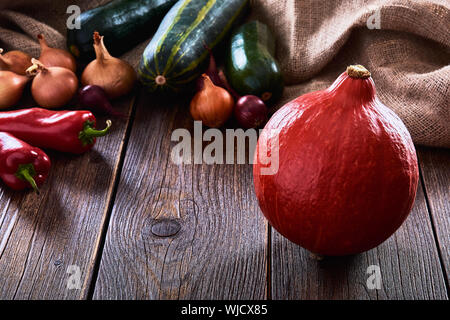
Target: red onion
[(250, 112), (95, 99)]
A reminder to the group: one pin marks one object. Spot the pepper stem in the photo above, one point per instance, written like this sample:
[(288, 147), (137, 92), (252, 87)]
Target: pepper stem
[(26, 172), (358, 71), (88, 134)]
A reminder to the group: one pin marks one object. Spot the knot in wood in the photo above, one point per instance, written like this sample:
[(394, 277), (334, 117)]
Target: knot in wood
[(165, 228)]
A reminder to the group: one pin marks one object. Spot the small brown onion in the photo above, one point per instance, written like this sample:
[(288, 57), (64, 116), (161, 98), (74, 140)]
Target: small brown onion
[(212, 105), (54, 57), (115, 76), (11, 88), (15, 61), (52, 87)]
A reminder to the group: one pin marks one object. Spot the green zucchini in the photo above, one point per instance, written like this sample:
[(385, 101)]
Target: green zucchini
[(124, 23), (250, 66), (177, 53)]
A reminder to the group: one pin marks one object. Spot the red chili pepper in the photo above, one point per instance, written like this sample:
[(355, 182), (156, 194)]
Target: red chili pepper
[(22, 165), (66, 131)]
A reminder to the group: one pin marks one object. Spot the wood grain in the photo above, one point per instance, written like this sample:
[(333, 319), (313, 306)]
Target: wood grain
[(435, 168), (408, 261), (219, 250), (41, 236), (195, 231)]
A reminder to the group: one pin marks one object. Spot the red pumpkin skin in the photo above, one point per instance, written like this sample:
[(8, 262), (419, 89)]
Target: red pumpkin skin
[(348, 173)]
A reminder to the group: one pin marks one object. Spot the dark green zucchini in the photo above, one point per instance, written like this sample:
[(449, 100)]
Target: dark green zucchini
[(250, 66), (124, 23), (177, 53)]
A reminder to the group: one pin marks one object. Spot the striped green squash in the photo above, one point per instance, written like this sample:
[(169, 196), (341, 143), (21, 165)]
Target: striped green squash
[(176, 54)]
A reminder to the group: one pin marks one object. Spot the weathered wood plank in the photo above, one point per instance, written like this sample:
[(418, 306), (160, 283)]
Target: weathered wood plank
[(435, 166), (408, 263), (220, 249), (41, 236)]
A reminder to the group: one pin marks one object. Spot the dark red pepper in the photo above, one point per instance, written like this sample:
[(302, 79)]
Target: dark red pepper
[(21, 165), (66, 131)]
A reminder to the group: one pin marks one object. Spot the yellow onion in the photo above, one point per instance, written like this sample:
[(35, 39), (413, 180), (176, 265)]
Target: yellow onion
[(54, 57), (113, 75), (11, 88), (52, 87), (15, 61), (212, 105)]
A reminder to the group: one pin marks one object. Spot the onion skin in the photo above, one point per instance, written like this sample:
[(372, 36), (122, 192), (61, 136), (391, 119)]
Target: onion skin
[(11, 88), (250, 112), (54, 57), (226, 85), (348, 172), (115, 76), (15, 61), (52, 87), (212, 72), (212, 105)]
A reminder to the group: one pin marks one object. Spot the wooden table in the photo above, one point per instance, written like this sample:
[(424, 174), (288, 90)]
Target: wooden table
[(124, 222)]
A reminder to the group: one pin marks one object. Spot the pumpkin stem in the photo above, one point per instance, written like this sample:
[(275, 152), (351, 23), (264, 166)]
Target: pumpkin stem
[(358, 71)]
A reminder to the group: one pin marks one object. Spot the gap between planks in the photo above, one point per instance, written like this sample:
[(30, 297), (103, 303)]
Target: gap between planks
[(421, 151), (269, 262), (92, 280), (102, 236)]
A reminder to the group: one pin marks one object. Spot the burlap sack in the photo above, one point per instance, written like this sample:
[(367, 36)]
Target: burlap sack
[(405, 44)]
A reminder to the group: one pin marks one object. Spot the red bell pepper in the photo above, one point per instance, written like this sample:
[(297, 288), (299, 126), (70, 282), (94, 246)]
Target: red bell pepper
[(66, 131), (22, 165)]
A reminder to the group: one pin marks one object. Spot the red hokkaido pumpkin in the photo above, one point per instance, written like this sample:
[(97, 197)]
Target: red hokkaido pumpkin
[(347, 168)]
